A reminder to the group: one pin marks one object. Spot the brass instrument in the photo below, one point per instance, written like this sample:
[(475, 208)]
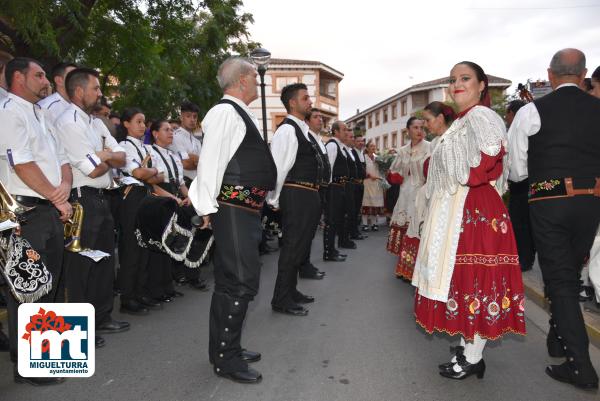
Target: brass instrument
[(144, 164), (113, 183), (73, 228), (12, 210)]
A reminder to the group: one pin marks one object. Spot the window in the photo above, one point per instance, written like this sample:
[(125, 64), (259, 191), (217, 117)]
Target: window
[(280, 81), (377, 143), (394, 143), (420, 99), (394, 111), (328, 88), (370, 121), (385, 115), (377, 118), (403, 108), (385, 141)]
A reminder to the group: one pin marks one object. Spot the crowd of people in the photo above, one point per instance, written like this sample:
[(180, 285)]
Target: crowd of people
[(157, 196)]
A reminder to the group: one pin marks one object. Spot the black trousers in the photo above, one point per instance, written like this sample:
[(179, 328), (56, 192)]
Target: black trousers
[(518, 208), (334, 217), (360, 191), (564, 230), (300, 212), (159, 278), (86, 280), (133, 259), (237, 232), (307, 267), (350, 213), (44, 231)]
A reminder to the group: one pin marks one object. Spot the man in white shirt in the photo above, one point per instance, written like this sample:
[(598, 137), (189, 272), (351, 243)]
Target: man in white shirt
[(235, 172), (36, 173), (87, 280), (555, 143), (299, 174), (57, 103), (185, 142)]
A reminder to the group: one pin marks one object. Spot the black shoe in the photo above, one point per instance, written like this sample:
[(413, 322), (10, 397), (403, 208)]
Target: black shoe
[(295, 310), (336, 252), (588, 293), (374, 227), (568, 372), (347, 245), (112, 326), (248, 376), (458, 350), (38, 381), (99, 342), (180, 281), (175, 294), (133, 308), (314, 276), (199, 284), (334, 258), (468, 369), (164, 298), (150, 303), (365, 228), (250, 356), (300, 298)]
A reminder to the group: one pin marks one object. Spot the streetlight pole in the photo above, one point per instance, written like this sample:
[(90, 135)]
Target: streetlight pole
[(261, 57)]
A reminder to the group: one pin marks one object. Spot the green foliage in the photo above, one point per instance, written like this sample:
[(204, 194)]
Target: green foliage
[(151, 53)]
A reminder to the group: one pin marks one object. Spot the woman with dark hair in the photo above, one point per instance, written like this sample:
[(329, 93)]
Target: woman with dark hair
[(467, 271), (139, 175), (372, 202), (438, 117), (407, 169)]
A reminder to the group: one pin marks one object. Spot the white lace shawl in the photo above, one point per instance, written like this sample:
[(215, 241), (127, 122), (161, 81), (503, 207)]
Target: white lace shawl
[(459, 150), (409, 162)]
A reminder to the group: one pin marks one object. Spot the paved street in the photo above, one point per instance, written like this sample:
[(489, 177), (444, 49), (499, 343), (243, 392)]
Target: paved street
[(359, 342)]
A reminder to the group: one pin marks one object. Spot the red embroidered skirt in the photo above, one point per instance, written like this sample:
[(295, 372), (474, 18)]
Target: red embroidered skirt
[(486, 291), (395, 238), (372, 210), (408, 256)]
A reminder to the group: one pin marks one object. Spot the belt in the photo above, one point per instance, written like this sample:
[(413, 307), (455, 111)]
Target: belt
[(563, 188), (357, 181), (251, 198), (302, 184), (339, 180), (31, 200), (77, 192)]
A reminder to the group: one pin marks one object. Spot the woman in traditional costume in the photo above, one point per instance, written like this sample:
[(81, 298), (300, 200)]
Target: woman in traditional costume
[(372, 203), (467, 271)]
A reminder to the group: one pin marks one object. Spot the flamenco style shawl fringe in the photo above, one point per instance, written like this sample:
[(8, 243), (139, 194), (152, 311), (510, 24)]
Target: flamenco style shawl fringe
[(459, 150)]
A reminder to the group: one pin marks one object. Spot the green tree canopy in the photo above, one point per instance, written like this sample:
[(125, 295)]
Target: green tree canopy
[(151, 53)]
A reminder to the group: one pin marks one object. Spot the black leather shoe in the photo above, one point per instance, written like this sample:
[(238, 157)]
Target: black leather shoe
[(99, 342), (295, 310), (568, 372), (175, 294), (334, 258), (468, 369), (300, 298), (358, 236), (38, 381), (199, 284), (250, 356), (374, 227), (314, 276), (336, 252), (112, 326), (181, 281), (133, 308), (458, 350), (347, 245), (150, 303), (249, 376), (164, 298)]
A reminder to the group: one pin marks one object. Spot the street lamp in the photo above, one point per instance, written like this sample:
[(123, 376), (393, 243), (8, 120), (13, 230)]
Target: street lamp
[(261, 57)]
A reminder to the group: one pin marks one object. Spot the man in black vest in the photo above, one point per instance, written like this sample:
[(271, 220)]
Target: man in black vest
[(555, 142), (336, 197), (299, 173), (361, 172), (235, 173)]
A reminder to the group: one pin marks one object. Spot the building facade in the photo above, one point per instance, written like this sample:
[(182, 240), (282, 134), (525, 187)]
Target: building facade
[(385, 122), (323, 87)]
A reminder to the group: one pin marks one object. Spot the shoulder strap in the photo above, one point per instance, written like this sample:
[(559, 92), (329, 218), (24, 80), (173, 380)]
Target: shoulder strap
[(172, 179), (139, 152)]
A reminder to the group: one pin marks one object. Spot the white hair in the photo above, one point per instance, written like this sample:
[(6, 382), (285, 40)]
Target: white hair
[(232, 69)]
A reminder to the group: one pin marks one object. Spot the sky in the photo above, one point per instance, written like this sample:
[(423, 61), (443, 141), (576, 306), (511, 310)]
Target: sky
[(383, 47)]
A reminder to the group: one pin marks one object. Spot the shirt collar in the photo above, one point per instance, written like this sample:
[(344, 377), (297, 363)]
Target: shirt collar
[(302, 124), (80, 113), (135, 140), (566, 84), (21, 101), (243, 105)]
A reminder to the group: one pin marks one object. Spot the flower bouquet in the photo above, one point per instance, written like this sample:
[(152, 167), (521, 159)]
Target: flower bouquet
[(384, 160)]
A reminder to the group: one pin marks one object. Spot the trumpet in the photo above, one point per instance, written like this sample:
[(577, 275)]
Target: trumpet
[(144, 164), (10, 209), (73, 228), (113, 183)]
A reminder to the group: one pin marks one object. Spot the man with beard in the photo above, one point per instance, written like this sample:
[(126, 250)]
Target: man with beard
[(58, 102), (299, 173), (86, 280)]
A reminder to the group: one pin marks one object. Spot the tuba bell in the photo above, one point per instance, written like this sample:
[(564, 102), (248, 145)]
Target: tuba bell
[(10, 208), (73, 228)]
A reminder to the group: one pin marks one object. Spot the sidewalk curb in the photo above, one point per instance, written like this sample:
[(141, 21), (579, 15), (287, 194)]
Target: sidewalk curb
[(535, 292)]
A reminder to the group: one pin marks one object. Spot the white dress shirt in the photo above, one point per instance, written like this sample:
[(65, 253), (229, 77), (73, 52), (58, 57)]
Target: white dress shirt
[(185, 143), (332, 151), (25, 138), (132, 157), (54, 105), (170, 157), (284, 148), (319, 141), (525, 124), (81, 139), (361, 155), (224, 131), (349, 150), (3, 93)]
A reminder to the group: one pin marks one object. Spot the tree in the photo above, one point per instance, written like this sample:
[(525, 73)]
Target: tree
[(151, 53)]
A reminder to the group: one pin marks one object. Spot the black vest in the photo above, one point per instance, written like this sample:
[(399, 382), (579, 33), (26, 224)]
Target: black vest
[(308, 166), (568, 142), (252, 164), (361, 168), (352, 168), (326, 166), (340, 166)]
